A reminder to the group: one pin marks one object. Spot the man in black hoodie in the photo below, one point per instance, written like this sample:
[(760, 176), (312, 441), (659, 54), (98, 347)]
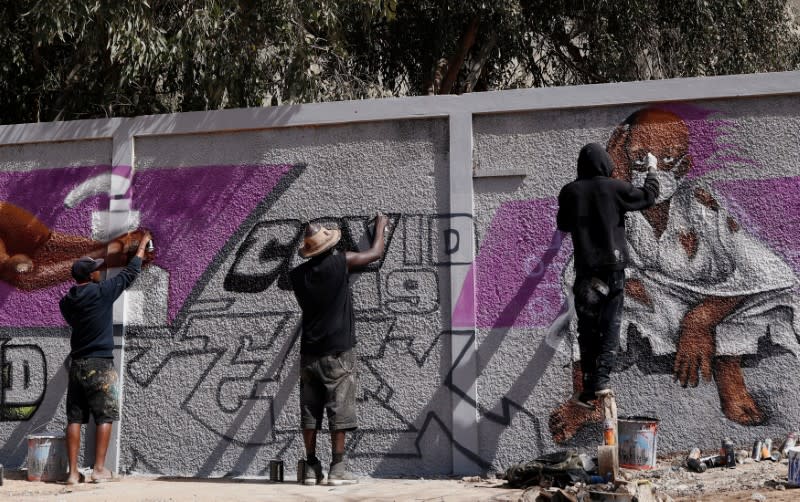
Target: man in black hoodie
[(592, 208), (88, 309)]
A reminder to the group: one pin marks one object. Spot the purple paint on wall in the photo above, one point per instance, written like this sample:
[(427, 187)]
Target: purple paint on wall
[(518, 269), (707, 148), (42, 192), (193, 211), (774, 219)]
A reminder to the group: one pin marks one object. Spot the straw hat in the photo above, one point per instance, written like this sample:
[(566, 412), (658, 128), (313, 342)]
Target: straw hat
[(318, 239)]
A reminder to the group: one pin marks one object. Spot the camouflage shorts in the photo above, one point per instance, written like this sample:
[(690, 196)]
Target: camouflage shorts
[(93, 387)]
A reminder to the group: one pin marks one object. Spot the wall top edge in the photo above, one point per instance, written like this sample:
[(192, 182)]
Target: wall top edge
[(409, 108)]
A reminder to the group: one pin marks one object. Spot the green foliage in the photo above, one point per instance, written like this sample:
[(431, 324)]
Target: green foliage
[(67, 59)]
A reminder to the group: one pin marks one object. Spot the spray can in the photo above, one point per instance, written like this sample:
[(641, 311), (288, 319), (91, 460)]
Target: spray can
[(713, 461), (693, 461), (730, 453), (755, 453), (766, 449), (789, 442), (149, 247), (276, 471), (608, 432), (301, 470)]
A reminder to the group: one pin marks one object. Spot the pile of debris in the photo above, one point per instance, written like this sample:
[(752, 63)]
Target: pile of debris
[(572, 477)]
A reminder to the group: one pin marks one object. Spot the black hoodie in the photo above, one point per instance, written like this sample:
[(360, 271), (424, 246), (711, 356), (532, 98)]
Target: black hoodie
[(592, 208), (88, 308)]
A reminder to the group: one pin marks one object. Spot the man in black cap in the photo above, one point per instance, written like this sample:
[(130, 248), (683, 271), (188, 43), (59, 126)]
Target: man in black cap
[(592, 208), (327, 363), (92, 388)]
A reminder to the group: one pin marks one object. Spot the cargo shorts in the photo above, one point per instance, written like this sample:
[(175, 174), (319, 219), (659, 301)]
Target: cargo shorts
[(328, 384), (93, 388)]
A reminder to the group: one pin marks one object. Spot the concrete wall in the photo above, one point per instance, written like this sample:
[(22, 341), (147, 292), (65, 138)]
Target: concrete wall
[(466, 350)]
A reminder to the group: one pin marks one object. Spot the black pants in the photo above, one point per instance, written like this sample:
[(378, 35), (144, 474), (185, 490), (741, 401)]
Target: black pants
[(598, 302)]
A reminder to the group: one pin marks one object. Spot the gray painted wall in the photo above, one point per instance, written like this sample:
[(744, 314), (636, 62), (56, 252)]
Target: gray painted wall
[(463, 364)]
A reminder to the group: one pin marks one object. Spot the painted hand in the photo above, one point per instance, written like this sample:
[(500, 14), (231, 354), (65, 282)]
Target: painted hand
[(694, 354)]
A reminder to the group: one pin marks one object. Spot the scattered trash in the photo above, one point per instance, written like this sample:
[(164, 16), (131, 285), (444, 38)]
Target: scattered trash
[(756, 452), (693, 461), (758, 497), (728, 451), (789, 442)]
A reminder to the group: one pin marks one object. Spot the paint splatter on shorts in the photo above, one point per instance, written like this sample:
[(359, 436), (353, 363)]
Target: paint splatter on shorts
[(92, 388), (328, 384)]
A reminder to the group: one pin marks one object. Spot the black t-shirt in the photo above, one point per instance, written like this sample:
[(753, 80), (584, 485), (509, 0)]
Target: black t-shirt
[(322, 288)]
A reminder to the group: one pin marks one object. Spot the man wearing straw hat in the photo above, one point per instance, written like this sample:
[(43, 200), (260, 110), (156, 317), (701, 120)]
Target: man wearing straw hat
[(88, 309), (327, 362)]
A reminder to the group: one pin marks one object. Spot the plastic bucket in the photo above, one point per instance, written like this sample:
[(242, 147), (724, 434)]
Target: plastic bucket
[(637, 442), (47, 457), (793, 455)]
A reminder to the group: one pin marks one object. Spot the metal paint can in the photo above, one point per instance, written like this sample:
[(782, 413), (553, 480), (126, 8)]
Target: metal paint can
[(789, 442), (301, 470), (713, 461), (794, 466), (755, 453), (608, 432), (693, 461), (276, 471), (637, 442), (766, 449), (730, 453)]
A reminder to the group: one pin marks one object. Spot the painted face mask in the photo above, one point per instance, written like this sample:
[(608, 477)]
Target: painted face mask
[(667, 183)]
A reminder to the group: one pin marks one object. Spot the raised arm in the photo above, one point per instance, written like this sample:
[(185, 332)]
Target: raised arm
[(375, 252), (634, 198), (125, 278)]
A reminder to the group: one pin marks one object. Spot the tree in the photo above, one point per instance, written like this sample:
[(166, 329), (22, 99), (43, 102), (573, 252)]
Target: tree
[(67, 59)]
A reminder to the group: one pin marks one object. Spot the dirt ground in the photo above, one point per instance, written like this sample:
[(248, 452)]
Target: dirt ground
[(748, 482)]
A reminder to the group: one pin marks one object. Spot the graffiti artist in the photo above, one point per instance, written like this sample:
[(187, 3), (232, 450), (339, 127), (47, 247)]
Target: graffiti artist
[(592, 209), (88, 309), (327, 360)]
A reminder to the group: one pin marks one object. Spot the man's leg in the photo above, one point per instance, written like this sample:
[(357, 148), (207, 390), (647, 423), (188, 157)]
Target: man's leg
[(99, 472), (587, 307), (312, 402), (610, 320), (73, 444), (341, 409)]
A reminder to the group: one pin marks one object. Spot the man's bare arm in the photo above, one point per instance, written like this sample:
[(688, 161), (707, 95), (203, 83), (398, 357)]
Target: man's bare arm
[(375, 252)]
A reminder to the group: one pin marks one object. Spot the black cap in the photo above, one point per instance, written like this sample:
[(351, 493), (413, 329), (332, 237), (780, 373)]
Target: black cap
[(84, 266)]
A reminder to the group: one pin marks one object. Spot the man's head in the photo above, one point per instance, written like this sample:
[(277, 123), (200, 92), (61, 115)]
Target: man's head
[(656, 131), (86, 269), (318, 239)]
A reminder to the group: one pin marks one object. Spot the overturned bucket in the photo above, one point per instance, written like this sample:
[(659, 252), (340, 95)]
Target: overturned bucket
[(637, 442), (47, 457)]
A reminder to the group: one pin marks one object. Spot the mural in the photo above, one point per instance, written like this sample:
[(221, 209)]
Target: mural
[(245, 393), (212, 328), (711, 280)]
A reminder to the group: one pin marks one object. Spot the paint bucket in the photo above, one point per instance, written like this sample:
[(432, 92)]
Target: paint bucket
[(794, 466), (47, 457), (637, 442)]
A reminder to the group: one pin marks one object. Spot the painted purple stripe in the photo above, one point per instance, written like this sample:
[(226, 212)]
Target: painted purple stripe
[(770, 210), (518, 268)]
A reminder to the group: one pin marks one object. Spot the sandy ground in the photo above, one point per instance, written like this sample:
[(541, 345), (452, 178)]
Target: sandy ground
[(748, 482), (141, 489)]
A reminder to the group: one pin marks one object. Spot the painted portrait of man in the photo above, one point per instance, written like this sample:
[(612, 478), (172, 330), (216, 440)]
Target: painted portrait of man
[(699, 288)]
